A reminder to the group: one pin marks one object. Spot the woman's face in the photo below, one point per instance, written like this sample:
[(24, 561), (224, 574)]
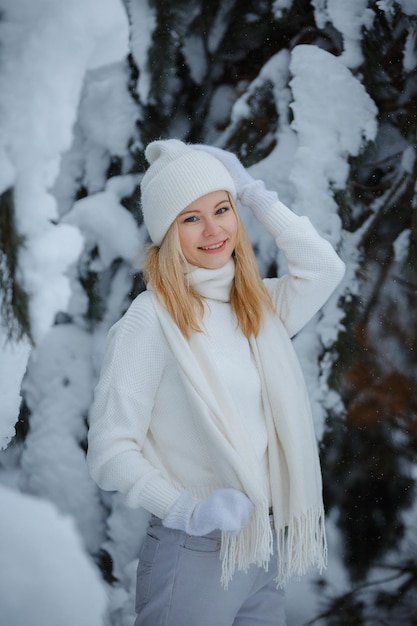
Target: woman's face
[(208, 230)]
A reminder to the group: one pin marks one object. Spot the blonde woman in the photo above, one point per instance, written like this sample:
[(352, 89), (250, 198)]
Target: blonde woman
[(201, 414)]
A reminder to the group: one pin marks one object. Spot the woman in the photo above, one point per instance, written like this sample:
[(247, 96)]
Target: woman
[(201, 414)]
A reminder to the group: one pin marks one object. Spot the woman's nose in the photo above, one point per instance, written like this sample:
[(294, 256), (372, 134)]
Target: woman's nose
[(211, 227)]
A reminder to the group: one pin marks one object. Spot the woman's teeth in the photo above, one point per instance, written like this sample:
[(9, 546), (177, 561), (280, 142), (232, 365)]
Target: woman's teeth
[(213, 247)]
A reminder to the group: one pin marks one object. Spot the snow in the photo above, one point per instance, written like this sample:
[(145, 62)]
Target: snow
[(334, 117), (46, 578), (107, 109), (408, 159), (218, 114), (408, 7), (410, 54), (195, 57), (58, 392), (402, 245), (143, 24), (47, 48), (218, 29), (107, 224), (44, 260), (280, 6), (349, 18)]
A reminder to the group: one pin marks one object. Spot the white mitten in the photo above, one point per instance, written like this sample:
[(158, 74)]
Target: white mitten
[(264, 203), (240, 175), (225, 509), (251, 192)]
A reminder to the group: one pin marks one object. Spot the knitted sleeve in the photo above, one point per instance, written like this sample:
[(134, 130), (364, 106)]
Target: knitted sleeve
[(314, 268), (121, 412)]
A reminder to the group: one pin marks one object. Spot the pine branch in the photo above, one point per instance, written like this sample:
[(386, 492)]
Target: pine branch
[(14, 302)]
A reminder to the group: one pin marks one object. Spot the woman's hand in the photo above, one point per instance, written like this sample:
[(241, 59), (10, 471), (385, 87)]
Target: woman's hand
[(226, 509), (250, 192), (240, 175)]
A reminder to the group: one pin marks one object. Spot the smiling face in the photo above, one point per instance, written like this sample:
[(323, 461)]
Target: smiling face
[(207, 230)]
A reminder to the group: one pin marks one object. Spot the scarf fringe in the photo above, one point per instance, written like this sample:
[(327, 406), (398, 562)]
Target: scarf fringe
[(252, 545), (300, 545)]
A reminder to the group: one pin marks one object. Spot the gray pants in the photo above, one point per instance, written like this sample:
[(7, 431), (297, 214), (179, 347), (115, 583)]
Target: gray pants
[(178, 584)]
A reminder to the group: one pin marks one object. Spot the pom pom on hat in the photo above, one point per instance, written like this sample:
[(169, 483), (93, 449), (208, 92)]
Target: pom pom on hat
[(177, 175)]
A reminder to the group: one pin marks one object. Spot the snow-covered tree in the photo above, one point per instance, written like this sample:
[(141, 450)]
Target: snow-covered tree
[(318, 98)]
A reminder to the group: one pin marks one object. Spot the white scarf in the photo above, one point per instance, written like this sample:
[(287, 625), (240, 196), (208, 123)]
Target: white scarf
[(294, 468)]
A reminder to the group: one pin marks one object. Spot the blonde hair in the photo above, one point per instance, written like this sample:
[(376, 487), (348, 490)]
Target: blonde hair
[(249, 298)]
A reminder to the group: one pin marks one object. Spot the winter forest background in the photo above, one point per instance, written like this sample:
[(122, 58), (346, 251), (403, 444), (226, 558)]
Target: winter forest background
[(318, 98)]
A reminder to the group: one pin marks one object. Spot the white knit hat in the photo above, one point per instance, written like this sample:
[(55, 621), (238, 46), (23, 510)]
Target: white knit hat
[(178, 174)]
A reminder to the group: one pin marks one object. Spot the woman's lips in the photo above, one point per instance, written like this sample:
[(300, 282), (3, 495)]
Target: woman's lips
[(215, 247)]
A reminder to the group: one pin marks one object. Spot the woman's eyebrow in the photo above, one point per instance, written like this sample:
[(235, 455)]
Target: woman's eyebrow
[(189, 211)]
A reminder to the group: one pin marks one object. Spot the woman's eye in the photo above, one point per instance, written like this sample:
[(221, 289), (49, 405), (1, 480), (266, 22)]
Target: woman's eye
[(192, 218), (221, 210)]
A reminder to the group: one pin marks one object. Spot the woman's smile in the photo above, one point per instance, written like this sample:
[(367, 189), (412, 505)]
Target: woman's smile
[(215, 247)]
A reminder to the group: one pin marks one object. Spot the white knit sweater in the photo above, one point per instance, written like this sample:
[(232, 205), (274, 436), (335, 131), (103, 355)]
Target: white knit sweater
[(142, 439)]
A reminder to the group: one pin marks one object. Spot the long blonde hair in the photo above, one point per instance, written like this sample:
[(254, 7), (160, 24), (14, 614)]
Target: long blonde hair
[(163, 268)]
